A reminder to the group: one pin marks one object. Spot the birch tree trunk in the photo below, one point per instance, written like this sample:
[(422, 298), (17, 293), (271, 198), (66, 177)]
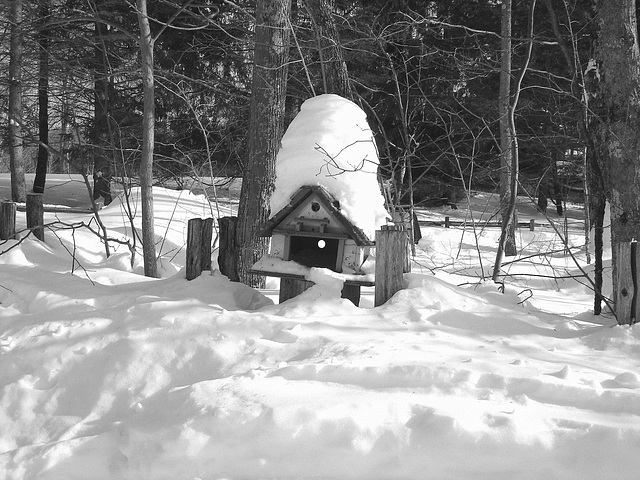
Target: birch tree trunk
[(266, 126), (148, 125), (16, 160)]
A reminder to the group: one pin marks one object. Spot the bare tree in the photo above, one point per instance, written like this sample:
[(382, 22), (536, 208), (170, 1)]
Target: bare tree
[(148, 125), (265, 131), (507, 134), (508, 203)]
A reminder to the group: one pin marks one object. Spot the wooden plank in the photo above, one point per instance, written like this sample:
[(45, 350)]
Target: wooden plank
[(350, 281), (636, 303), (207, 236), (390, 252), (8, 221), (227, 253), (625, 290), (194, 248), (292, 287)]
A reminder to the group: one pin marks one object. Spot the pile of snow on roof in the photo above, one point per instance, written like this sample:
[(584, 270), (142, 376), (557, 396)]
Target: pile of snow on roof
[(330, 143)]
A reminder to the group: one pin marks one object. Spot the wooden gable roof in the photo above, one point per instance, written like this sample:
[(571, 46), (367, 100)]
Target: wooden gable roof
[(328, 202)]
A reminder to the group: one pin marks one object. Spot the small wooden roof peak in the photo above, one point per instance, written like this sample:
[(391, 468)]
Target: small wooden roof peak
[(330, 204)]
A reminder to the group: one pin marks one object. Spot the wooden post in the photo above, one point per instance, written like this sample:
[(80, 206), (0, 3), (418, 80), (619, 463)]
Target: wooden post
[(390, 252), (446, 222), (35, 215), (292, 287), (625, 301), (8, 220), (351, 291), (207, 235), (532, 224), (626, 293), (194, 248), (228, 251)]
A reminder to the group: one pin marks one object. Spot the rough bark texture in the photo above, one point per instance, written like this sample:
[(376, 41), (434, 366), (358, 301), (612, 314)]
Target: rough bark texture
[(148, 124), (615, 132), (265, 132), (16, 161), (334, 68), (506, 133), (100, 133), (43, 99)]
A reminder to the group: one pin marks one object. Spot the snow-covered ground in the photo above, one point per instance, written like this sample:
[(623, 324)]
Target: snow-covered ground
[(106, 374)]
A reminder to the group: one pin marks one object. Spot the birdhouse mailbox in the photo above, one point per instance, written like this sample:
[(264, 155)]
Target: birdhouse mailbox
[(312, 231)]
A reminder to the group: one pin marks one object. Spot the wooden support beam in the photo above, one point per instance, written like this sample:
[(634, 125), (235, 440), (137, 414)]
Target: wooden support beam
[(292, 287), (8, 221)]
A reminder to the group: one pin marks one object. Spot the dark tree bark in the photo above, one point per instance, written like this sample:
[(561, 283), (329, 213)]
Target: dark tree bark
[(16, 160), (43, 98), (100, 99), (617, 144), (148, 125), (265, 132), (334, 69)]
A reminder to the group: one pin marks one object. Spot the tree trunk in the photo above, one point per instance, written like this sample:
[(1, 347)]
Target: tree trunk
[(266, 127), (16, 160), (334, 69), (509, 215), (43, 99), (100, 132), (617, 145), (506, 133), (148, 124)]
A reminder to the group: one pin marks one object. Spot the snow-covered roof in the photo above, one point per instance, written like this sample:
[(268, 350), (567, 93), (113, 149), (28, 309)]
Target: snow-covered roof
[(330, 204)]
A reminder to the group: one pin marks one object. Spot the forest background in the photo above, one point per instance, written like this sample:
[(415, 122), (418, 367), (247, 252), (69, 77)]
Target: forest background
[(429, 75)]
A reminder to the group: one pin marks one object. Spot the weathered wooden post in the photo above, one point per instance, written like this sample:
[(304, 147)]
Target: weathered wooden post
[(292, 287), (207, 236), (532, 224), (35, 215), (351, 292), (227, 253), (391, 249), (8, 220), (194, 248), (447, 222), (626, 302)]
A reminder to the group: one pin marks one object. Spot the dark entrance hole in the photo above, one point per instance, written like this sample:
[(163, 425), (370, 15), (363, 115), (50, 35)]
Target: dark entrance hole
[(314, 251)]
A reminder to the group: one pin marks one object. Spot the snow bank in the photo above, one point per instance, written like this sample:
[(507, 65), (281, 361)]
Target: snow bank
[(107, 374)]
